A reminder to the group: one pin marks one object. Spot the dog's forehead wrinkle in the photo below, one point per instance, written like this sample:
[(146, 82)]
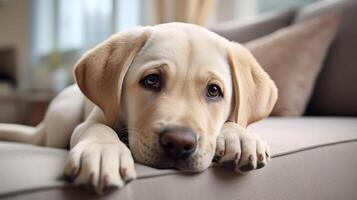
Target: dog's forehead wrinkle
[(162, 39), (191, 28), (169, 40)]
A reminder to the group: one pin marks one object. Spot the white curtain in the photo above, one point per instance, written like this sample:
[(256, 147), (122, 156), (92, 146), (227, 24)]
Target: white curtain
[(190, 11)]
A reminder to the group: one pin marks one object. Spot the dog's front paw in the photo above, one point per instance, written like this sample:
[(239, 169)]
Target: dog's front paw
[(245, 150), (99, 165)]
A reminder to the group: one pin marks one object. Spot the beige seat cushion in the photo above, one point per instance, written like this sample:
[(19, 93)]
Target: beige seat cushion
[(293, 57), (313, 158)]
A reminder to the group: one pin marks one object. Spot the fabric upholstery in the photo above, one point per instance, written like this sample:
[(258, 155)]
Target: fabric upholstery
[(318, 9), (335, 92), (254, 28), (293, 56), (313, 158)]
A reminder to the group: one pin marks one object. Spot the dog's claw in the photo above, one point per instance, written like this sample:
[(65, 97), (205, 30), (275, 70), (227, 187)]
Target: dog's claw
[(71, 175), (246, 167), (260, 165), (237, 157), (88, 186), (110, 188)]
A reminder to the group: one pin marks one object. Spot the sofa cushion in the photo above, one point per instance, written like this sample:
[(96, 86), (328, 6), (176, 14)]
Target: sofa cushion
[(318, 9), (253, 28), (336, 87), (293, 57), (313, 158)]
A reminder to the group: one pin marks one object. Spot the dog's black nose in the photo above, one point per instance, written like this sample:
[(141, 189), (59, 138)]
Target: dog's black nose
[(178, 142)]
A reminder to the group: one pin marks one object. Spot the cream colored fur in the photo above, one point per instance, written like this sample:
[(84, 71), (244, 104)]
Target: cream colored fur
[(189, 58)]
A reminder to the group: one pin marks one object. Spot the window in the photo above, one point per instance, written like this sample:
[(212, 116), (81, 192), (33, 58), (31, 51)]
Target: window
[(64, 29)]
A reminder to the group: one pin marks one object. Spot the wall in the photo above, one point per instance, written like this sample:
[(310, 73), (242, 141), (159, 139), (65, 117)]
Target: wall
[(15, 31)]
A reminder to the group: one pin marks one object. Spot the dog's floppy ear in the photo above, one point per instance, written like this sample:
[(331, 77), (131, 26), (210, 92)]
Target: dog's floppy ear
[(100, 72), (254, 93)]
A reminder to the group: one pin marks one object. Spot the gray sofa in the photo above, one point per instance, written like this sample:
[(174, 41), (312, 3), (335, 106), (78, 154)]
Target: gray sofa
[(313, 157)]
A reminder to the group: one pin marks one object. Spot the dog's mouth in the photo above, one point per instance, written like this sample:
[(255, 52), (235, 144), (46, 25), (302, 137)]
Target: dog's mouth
[(153, 155), (197, 162), (187, 164)]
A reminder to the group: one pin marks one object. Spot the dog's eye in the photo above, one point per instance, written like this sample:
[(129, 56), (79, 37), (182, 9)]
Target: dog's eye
[(151, 81), (214, 92)]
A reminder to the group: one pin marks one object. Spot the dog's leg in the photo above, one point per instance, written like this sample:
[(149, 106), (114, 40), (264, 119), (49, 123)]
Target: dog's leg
[(246, 150), (97, 157), (21, 133), (63, 115)]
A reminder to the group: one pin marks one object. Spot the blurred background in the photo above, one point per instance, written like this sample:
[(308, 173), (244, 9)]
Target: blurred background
[(40, 40)]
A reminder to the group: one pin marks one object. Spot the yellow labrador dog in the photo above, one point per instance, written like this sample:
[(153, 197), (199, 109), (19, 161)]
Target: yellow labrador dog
[(181, 93)]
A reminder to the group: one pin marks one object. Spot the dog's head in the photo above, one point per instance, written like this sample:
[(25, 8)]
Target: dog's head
[(174, 86)]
